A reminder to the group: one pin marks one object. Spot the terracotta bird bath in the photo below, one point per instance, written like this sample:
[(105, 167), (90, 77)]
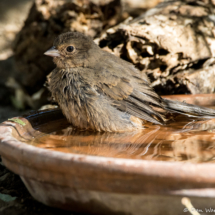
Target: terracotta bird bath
[(145, 172)]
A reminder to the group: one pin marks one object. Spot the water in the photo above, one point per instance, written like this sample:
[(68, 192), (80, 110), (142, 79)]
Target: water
[(186, 140)]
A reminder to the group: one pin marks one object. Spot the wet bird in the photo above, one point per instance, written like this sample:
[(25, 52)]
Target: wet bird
[(99, 91)]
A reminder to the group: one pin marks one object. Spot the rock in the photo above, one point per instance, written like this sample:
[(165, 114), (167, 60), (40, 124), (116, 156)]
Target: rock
[(176, 37), (201, 80)]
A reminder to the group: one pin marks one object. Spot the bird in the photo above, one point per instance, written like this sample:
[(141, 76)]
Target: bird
[(99, 91)]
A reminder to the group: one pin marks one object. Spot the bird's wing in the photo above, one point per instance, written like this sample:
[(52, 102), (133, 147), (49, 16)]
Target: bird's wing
[(135, 100), (129, 92)]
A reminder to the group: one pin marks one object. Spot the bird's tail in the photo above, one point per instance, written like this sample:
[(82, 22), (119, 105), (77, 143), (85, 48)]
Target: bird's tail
[(188, 109)]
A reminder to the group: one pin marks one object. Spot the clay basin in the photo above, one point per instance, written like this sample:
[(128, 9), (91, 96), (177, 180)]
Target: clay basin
[(145, 172)]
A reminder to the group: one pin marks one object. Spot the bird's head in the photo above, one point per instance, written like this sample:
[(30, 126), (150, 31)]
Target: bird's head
[(73, 49)]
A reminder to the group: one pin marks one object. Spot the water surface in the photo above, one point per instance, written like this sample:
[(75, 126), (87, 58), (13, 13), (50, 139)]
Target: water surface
[(185, 139)]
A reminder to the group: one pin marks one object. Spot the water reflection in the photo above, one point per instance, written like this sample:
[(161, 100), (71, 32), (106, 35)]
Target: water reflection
[(182, 140)]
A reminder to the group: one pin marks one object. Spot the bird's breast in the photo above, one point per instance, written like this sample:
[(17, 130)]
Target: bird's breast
[(73, 95)]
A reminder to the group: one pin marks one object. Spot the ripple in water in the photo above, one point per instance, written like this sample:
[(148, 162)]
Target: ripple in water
[(185, 139)]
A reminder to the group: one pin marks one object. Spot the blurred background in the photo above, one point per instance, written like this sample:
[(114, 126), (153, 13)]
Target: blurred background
[(12, 16)]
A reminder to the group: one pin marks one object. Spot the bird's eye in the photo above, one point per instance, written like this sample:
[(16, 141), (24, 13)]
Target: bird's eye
[(70, 48)]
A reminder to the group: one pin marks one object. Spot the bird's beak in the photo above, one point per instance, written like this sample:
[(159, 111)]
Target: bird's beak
[(53, 52)]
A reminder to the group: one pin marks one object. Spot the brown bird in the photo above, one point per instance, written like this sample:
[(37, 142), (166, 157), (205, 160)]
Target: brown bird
[(99, 91)]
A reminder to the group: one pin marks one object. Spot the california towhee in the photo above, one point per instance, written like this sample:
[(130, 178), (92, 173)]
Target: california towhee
[(99, 91)]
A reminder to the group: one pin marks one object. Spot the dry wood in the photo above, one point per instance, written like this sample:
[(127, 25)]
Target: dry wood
[(170, 42)]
